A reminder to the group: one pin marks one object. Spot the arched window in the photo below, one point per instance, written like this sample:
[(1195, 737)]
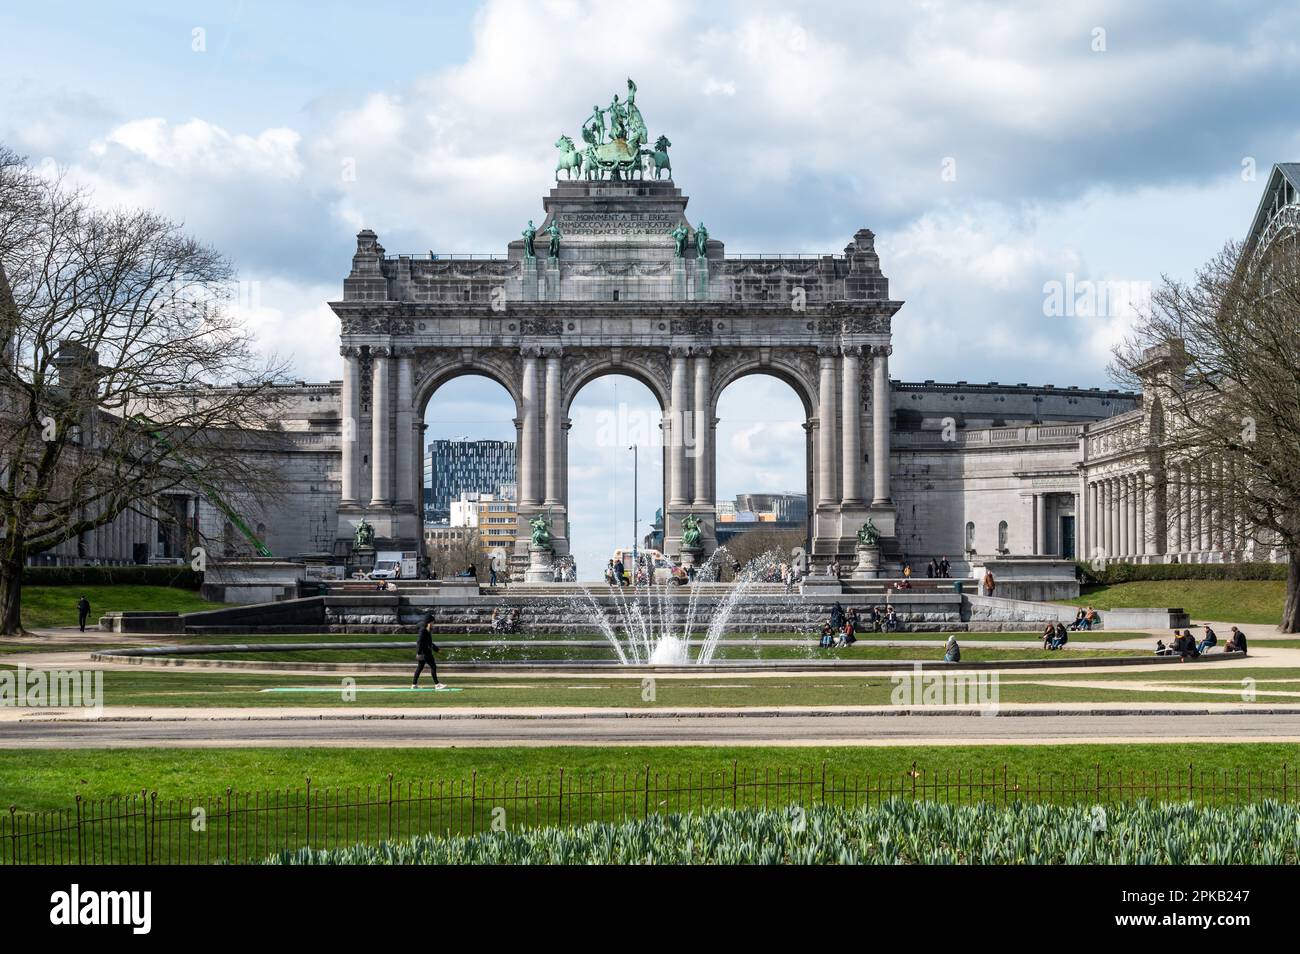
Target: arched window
[(970, 537), (1002, 536)]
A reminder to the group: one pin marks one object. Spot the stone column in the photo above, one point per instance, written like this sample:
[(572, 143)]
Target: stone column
[(678, 493), (1218, 515), (851, 424), (1112, 519), (1197, 491), (1125, 516), (1040, 524), (405, 478), (702, 429), (1090, 545), (1140, 510), (1185, 496), (529, 494), (880, 417), (554, 430), (380, 430), (350, 415), (826, 428)]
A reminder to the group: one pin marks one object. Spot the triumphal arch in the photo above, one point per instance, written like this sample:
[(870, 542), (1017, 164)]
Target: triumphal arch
[(615, 278)]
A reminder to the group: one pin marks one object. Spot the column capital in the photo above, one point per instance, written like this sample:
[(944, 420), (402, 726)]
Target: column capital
[(828, 351), (882, 351), (551, 351), (702, 351), (381, 351), (350, 351), (851, 351), (531, 351), (680, 351)]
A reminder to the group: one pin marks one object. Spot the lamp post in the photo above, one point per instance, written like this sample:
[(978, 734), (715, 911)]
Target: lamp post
[(636, 559)]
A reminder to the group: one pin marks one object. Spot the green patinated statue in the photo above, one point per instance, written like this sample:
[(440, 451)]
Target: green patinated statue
[(529, 233), (690, 532), (593, 130), (680, 234), (553, 248), (868, 536), (616, 151), (365, 537), (701, 240), (541, 538)]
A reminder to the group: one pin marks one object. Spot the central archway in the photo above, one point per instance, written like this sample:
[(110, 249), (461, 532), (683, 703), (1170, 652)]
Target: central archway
[(614, 492)]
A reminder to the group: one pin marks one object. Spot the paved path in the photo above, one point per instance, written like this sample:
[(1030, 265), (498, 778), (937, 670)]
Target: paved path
[(1047, 724)]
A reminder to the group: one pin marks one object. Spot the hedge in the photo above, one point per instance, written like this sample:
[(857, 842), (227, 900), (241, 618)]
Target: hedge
[(1134, 572), (179, 577)]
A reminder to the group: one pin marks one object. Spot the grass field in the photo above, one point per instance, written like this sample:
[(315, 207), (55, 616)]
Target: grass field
[(34, 780), (45, 607), (1237, 601), (226, 688)]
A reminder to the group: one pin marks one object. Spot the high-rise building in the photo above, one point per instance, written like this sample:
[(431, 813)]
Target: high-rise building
[(452, 468)]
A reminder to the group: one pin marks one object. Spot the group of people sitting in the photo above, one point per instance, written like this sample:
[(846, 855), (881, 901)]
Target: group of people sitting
[(841, 629), (1055, 635), (843, 626), (1086, 618), (1184, 644), (505, 621)]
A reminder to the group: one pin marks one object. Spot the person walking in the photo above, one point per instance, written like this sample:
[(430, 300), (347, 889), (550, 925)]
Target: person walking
[(83, 612), (424, 650)]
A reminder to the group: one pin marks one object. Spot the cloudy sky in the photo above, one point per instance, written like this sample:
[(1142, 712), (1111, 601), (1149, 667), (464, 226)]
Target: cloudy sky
[(993, 147)]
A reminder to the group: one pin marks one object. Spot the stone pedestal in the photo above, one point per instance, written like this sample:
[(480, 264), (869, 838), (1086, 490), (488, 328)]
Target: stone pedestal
[(529, 290), (868, 566), (679, 279), (541, 565), (701, 279), (551, 280), (692, 556)]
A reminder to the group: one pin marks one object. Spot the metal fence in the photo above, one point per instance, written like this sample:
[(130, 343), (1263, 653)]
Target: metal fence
[(249, 826)]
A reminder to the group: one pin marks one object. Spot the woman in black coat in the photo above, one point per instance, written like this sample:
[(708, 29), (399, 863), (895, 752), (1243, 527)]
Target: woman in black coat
[(424, 650)]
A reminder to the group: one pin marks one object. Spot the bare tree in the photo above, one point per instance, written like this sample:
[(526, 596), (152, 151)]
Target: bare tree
[(456, 552), (125, 373), (1219, 360), (752, 544)]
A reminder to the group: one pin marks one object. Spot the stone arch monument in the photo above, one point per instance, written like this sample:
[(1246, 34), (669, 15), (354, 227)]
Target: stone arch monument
[(616, 279)]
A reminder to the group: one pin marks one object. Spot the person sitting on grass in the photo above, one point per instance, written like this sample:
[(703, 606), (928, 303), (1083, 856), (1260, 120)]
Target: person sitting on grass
[(952, 651), (1236, 642), (1162, 649), (891, 621), (1090, 618), (851, 618), (1210, 640), (1060, 637), (1049, 632), (1079, 620), (849, 636), (827, 636), (877, 620)]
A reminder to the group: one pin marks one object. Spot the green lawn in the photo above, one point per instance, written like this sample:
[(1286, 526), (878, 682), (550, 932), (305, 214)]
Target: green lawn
[(970, 653), (40, 779), (46, 607), (1257, 602), (228, 688)]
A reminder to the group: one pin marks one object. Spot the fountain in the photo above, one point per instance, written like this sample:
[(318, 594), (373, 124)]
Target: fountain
[(651, 627)]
